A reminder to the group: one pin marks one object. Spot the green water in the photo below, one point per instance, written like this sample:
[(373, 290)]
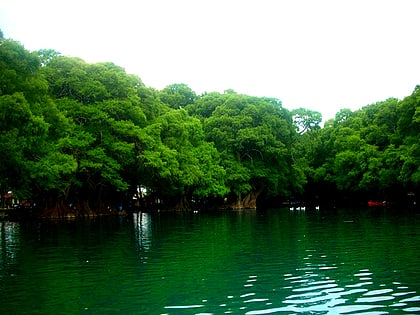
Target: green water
[(358, 261)]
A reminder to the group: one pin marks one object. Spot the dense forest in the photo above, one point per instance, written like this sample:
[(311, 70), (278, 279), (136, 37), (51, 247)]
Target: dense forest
[(84, 139)]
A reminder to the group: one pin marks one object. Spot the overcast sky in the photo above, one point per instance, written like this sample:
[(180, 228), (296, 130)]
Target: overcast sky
[(324, 55)]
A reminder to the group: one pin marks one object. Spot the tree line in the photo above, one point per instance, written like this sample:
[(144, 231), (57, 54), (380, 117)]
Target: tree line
[(80, 138)]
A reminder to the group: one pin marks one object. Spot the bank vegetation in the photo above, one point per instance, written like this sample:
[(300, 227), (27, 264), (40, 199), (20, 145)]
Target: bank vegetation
[(85, 139)]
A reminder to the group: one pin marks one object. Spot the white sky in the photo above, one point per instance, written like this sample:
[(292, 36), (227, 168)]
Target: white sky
[(324, 55)]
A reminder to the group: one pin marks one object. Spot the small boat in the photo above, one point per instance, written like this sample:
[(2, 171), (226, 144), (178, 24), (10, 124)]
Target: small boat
[(376, 203)]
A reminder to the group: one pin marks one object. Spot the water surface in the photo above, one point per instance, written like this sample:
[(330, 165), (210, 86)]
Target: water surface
[(345, 261)]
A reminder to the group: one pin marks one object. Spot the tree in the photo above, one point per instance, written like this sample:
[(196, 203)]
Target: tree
[(177, 95), (26, 114), (47, 55), (205, 105), (178, 164), (19, 72), (105, 137), (306, 119), (253, 136), (408, 131), (105, 149), (16, 122)]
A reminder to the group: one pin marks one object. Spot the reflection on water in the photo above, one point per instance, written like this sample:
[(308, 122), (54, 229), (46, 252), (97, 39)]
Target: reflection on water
[(9, 245), (245, 262), (313, 293), (143, 230)]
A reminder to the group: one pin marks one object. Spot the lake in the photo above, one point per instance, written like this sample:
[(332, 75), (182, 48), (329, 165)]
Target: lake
[(277, 261)]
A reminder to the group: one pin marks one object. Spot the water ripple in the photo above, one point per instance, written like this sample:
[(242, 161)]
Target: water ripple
[(378, 292), (320, 296), (374, 299), (183, 306), (412, 299), (316, 287)]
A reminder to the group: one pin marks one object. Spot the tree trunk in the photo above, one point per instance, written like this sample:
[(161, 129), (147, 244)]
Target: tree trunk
[(55, 208), (239, 202), (248, 202), (183, 204)]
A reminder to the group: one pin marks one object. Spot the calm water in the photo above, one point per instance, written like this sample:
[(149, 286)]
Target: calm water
[(363, 261)]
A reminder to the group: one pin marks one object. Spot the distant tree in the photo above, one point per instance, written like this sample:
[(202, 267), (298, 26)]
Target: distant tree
[(306, 119), (379, 122), (408, 132), (19, 71), (46, 55), (178, 95), (205, 105), (342, 115)]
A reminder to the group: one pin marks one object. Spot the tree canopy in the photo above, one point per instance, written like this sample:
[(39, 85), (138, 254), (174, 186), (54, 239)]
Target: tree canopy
[(80, 138)]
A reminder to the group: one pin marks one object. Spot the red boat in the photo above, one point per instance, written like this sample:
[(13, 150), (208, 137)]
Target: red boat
[(376, 203)]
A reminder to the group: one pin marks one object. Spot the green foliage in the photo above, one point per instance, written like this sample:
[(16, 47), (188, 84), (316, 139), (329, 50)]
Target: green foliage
[(253, 136), (373, 150), (178, 161), (177, 95), (19, 72), (89, 83), (205, 105), (46, 55), (306, 119), (90, 134), (51, 172)]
